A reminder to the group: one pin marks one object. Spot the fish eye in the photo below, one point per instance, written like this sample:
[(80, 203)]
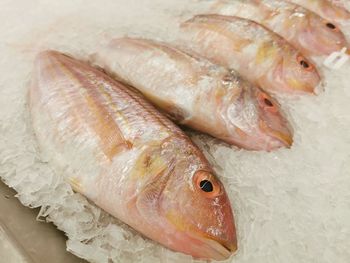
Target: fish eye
[(206, 186), (304, 63), (268, 102), (331, 26)]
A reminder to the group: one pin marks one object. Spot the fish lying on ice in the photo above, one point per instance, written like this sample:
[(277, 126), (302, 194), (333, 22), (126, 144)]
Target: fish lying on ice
[(257, 53), (121, 153), (331, 12), (307, 31), (198, 93)]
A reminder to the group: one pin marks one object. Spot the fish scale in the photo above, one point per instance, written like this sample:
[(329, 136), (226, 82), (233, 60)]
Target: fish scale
[(128, 113)]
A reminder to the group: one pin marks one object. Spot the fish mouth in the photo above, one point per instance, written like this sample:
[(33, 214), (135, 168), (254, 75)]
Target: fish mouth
[(214, 249), (219, 251), (284, 139), (300, 87)]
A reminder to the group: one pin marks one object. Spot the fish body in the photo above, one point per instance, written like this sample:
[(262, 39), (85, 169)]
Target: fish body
[(121, 153), (257, 53), (324, 8), (198, 93), (307, 31)]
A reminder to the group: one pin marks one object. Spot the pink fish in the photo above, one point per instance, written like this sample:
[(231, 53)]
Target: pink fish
[(258, 54), (311, 34), (121, 153), (198, 93)]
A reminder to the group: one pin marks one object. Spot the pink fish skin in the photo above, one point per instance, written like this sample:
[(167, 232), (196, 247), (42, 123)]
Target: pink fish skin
[(333, 13), (307, 31), (121, 153), (198, 93), (257, 53)]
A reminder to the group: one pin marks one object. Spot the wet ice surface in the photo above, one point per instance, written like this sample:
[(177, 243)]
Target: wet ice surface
[(290, 205)]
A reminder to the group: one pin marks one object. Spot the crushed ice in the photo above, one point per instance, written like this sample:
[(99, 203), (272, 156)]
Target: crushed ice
[(290, 205)]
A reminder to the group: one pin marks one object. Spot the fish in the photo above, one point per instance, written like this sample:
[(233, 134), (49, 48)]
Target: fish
[(307, 31), (121, 153), (257, 53), (324, 8), (197, 93)]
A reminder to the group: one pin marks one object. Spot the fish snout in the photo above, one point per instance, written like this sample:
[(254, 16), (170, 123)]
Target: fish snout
[(217, 249), (229, 244), (279, 137), (223, 239)]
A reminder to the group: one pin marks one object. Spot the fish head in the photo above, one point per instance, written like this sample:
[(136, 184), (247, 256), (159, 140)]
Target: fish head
[(295, 73), (198, 214), (271, 121), (321, 36), (257, 119)]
